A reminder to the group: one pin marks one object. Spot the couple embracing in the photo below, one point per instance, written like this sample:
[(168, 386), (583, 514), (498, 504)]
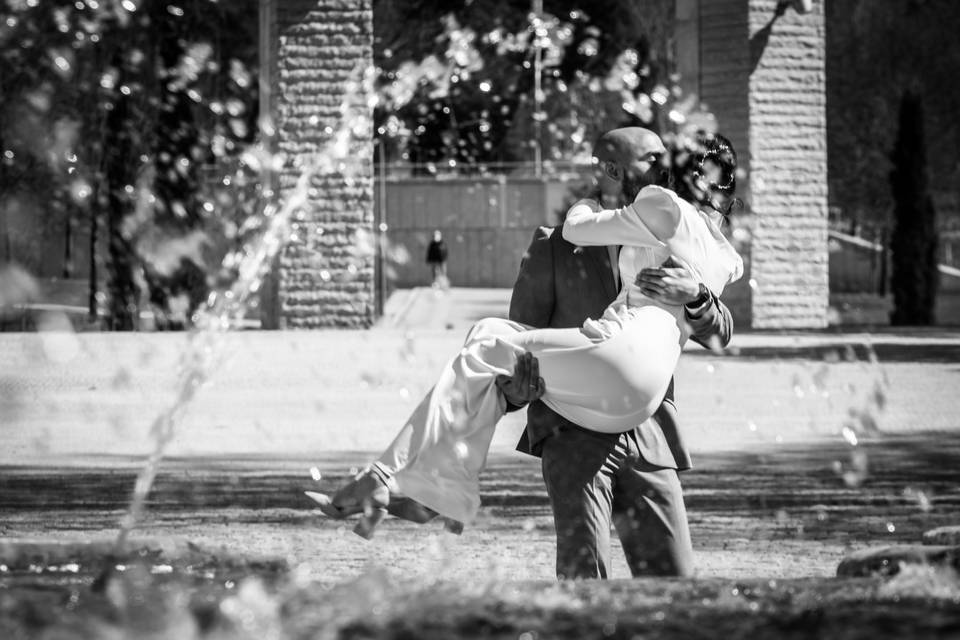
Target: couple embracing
[(599, 314)]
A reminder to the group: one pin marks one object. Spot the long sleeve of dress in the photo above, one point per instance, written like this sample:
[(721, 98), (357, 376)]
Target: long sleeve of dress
[(657, 218), (588, 225)]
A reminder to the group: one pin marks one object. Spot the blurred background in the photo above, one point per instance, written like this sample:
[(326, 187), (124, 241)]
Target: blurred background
[(142, 140)]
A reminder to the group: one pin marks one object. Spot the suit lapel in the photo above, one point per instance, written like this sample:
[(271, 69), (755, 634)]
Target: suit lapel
[(600, 258)]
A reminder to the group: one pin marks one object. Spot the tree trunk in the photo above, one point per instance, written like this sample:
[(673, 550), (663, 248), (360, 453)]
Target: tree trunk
[(914, 276), (123, 290)]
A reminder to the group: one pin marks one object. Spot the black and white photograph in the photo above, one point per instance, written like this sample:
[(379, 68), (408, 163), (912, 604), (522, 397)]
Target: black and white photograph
[(479, 319)]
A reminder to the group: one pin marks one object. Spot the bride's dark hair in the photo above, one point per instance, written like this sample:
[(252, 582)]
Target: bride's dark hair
[(688, 171)]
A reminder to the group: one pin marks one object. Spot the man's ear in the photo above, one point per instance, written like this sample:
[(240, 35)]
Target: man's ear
[(613, 171)]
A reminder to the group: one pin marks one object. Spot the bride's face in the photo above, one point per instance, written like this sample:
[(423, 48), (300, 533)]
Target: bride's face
[(710, 174)]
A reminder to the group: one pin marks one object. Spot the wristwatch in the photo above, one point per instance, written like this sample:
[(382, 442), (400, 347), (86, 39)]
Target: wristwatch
[(699, 305)]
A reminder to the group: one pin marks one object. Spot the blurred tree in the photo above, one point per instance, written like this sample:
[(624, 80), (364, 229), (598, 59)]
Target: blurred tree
[(109, 111), (914, 242), (454, 95), (873, 55)]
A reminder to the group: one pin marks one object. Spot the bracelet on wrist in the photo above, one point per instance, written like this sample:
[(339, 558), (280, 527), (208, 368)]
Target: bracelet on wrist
[(696, 307)]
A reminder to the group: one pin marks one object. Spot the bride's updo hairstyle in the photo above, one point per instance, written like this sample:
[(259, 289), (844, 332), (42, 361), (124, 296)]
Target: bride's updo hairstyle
[(707, 173)]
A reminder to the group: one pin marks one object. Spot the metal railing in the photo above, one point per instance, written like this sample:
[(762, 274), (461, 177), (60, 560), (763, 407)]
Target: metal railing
[(860, 256)]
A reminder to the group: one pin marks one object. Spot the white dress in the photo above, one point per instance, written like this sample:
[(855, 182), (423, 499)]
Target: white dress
[(609, 375)]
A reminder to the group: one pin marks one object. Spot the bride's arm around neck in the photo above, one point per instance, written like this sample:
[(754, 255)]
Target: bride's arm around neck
[(650, 220)]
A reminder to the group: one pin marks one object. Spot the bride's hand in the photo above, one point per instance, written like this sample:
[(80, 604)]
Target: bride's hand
[(525, 385)]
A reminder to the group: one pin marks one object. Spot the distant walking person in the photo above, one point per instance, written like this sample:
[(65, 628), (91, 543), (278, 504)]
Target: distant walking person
[(437, 259)]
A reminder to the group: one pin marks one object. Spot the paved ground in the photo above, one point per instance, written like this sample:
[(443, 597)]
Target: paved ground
[(778, 490), (322, 392)]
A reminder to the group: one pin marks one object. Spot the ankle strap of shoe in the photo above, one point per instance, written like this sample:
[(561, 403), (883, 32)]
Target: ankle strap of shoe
[(380, 472)]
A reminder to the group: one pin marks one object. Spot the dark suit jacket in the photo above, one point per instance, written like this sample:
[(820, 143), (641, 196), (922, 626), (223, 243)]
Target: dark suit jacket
[(559, 286)]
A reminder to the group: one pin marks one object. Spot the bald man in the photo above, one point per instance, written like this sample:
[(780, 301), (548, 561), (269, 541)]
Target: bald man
[(594, 479)]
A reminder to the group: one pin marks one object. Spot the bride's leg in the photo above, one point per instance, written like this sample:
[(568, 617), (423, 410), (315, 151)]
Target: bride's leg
[(437, 456), (615, 383), (610, 385)]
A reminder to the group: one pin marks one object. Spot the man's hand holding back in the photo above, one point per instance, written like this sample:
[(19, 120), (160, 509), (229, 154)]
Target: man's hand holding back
[(674, 283)]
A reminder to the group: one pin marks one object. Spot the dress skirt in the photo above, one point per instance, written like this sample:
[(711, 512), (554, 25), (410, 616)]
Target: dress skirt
[(608, 376)]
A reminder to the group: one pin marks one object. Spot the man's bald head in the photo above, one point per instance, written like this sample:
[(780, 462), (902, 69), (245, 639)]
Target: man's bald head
[(627, 145), (629, 159)]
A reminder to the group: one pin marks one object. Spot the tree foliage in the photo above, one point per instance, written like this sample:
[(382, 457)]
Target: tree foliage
[(460, 89), (875, 52), (110, 112)]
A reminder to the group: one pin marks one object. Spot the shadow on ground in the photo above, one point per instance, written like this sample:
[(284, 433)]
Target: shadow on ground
[(883, 348), (752, 509), (903, 485)]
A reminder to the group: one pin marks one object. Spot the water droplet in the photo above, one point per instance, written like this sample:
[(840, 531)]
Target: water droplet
[(852, 479), (890, 527), (80, 190), (62, 64), (849, 435), (315, 474)]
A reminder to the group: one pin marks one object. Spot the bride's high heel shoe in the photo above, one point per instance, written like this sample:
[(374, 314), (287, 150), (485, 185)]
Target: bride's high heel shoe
[(366, 494)]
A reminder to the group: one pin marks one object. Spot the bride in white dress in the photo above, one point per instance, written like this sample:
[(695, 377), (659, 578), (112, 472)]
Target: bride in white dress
[(611, 373)]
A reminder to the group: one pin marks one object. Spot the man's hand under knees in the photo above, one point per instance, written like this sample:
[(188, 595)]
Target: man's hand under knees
[(673, 282), (525, 385)]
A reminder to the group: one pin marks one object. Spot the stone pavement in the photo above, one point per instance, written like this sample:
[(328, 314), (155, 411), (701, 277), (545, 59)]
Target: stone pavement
[(311, 394), (778, 487)]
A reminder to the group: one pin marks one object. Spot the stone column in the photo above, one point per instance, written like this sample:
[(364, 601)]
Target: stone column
[(788, 166), (314, 50), (760, 71)]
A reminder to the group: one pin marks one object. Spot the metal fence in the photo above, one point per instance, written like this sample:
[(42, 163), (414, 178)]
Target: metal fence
[(487, 222)]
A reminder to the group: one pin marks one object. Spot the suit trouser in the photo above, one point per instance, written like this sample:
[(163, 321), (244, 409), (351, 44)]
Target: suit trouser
[(594, 479)]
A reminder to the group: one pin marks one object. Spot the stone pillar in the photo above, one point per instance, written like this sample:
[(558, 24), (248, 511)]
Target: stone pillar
[(788, 166), (760, 71), (315, 48), (722, 83)]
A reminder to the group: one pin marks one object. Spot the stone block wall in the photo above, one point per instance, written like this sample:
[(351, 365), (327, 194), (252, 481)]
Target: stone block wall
[(761, 73), (723, 86), (325, 274), (788, 167)]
